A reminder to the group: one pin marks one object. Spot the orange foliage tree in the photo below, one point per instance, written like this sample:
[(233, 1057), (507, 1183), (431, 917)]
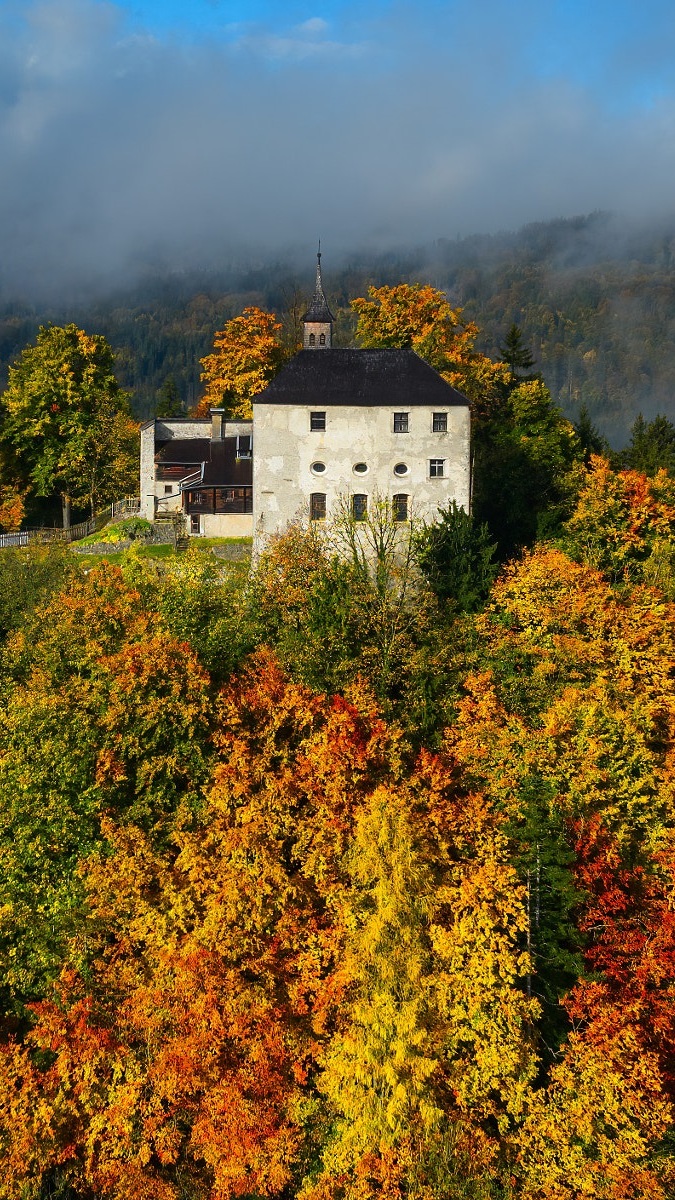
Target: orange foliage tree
[(624, 524), (418, 316), (107, 714), (247, 354), (315, 985), (11, 509)]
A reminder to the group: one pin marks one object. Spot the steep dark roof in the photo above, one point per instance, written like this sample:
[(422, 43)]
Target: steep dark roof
[(392, 378), (221, 465), (318, 309)]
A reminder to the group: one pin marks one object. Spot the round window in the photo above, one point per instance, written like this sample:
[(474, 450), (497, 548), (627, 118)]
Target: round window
[(360, 468), (318, 468), (401, 469)]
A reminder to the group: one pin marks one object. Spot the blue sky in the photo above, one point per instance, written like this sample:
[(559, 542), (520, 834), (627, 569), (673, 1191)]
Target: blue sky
[(617, 45), (186, 133)]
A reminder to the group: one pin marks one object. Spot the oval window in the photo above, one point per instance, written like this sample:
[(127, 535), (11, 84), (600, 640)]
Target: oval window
[(401, 469), (360, 468), (318, 468)]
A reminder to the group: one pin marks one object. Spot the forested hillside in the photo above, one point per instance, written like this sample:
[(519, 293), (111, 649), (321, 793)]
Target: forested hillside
[(346, 874), (342, 878), (593, 297)]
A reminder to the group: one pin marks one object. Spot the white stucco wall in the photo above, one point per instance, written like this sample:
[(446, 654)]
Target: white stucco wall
[(285, 449), (235, 525), (147, 474)]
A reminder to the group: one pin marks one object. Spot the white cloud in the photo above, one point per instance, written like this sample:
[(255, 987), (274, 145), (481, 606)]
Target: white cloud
[(116, 149)]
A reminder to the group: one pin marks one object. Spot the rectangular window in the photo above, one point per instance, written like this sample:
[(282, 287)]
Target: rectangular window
[(400, 422), (234, 500), (202, 501), (359, 507), (244, 445), (317, 506), (317, 422), (436, 468), (168, 489), (440, 423), (400, 507)]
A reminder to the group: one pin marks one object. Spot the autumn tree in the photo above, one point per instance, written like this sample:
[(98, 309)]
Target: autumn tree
[(568, 726), (215, 1024), (204, 602), (349, 600), (523, 446), (29, 577), (624, 525), (432, 1054), (67, 421), (247, 354), (107, 713), (419, 317)]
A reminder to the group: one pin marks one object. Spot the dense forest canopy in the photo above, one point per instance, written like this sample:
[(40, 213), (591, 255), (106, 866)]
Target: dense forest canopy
[(592, 296), (348, 875)]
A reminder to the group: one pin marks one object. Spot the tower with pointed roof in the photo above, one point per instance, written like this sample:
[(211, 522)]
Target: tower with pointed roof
[(318, 320)]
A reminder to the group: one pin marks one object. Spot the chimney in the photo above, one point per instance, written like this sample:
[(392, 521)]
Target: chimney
[(217, 424)]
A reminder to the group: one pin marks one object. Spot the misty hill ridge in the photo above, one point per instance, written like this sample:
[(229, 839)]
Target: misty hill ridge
[(593, 295)]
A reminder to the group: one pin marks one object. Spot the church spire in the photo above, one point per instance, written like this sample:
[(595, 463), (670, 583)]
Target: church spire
[(318, 320)]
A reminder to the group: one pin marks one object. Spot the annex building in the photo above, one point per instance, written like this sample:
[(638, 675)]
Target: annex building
[(336, 426)]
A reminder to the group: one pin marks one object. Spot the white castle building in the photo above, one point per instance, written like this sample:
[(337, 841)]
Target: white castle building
[(335, 427)]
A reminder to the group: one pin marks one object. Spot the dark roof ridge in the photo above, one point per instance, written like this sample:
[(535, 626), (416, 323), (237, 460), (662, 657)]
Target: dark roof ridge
[(391, 376)]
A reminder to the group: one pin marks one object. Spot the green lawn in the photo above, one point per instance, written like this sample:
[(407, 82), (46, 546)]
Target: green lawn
[(162, 550)]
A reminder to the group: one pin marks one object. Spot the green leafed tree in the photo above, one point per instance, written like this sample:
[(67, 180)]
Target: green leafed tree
[(528, 469), (456, 556), (67, 421), (515, 353), (651, 447), (169, 403), (592, 441)]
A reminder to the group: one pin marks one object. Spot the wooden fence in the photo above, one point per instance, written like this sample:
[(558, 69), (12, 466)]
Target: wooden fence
[(128, 507)]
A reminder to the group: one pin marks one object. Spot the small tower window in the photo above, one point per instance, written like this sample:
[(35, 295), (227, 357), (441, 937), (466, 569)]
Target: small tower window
[(317, 422), (400, 422), (440, 423), (436, 468), (359, 507), (317, 506), (322, 339), (400, 507), (312, 339)]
